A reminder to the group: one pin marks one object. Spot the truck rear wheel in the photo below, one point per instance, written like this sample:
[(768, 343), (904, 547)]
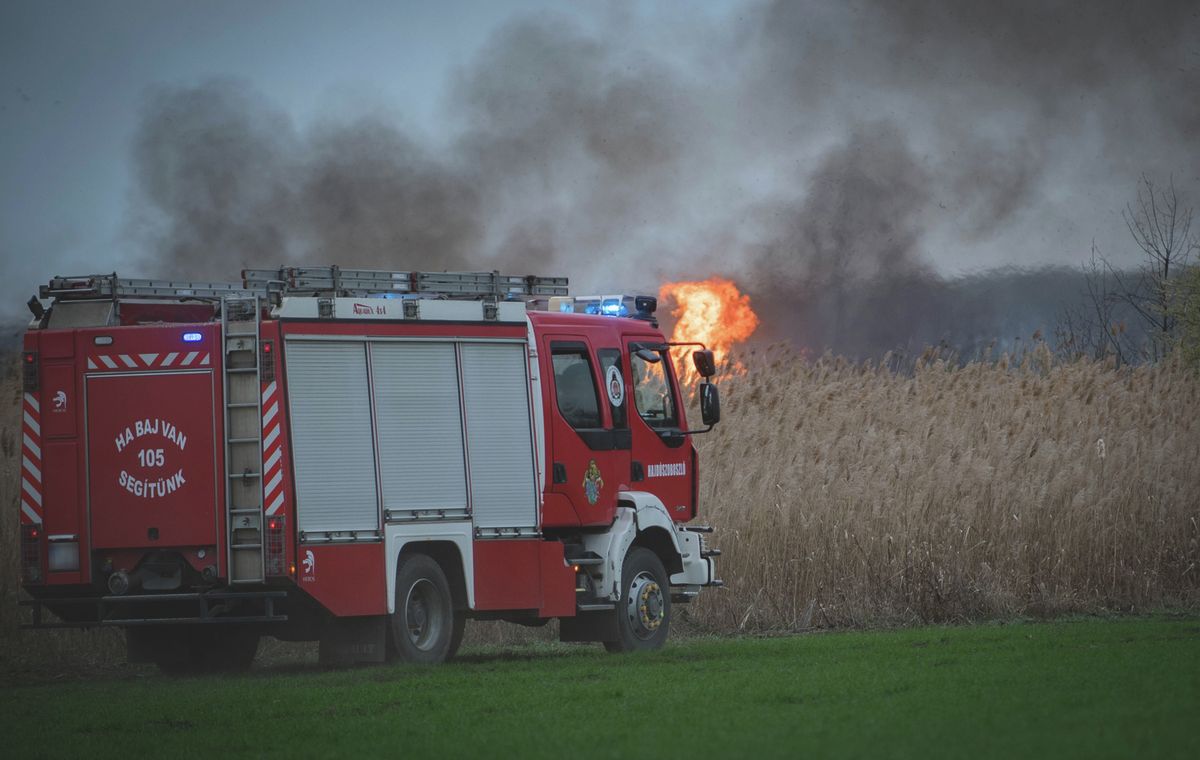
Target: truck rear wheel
[(644, 612), (425, 628)]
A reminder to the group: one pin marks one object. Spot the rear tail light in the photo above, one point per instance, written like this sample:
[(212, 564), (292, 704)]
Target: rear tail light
[(276, 560), (30, 363), (268, 361), (31, 553)]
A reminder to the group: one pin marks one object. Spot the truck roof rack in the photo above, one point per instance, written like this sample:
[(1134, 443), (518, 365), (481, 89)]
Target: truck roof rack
[(311, 281)]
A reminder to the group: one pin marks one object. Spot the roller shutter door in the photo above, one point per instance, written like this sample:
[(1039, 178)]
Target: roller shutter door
[(332, 439), (499, 441), (421, 460)]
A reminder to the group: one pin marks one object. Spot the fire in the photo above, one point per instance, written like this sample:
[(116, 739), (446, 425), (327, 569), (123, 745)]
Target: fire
[(712, 312)]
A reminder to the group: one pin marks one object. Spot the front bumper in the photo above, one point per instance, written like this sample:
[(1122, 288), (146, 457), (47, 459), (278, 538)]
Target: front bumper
[(699, 565)]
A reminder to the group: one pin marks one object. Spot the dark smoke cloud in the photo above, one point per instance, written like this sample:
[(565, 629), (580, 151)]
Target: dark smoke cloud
[(230, 183), (848, 163), (859, 223), (212, 163), (370, 196)]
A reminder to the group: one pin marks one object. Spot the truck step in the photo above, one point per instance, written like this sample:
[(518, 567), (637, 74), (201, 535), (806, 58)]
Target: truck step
[(711, 553), (246, 475), (595, 607), (240, 370), (698, 528), (242, 405), (586, 561)]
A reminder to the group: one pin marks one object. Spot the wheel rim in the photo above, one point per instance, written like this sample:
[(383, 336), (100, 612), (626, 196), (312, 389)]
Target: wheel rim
[(645, 605), (424, 615)]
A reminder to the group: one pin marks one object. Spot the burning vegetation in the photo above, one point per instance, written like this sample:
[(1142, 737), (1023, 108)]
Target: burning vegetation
[(713, 312)]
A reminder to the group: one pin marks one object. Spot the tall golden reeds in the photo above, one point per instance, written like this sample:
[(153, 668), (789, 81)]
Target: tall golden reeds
[(847, 495)]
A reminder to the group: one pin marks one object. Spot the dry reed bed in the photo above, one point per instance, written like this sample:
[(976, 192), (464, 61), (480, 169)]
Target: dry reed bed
[(848, 495)]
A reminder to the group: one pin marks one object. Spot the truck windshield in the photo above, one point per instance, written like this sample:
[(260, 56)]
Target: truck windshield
[(652, 391)]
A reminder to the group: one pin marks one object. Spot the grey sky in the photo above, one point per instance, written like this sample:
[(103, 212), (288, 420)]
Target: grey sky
[(608, 141), (74, 75)]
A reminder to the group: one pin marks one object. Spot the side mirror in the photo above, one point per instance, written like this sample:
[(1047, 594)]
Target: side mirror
[(710, 403), (647, 355), (705, 364)]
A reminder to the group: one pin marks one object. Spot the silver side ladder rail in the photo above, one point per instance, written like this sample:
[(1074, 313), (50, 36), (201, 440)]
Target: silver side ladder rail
[(240, 318)]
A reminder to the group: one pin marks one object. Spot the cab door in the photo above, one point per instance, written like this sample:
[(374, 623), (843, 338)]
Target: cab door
[(588, 457), (663, 458)]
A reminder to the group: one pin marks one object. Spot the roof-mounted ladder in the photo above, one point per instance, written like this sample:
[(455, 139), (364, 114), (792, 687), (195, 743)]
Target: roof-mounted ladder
[(96, 287), (273, 284), (240, 318), (336, 281)]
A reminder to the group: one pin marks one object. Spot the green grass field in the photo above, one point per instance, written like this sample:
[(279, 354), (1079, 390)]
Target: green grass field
[(1091, 688)]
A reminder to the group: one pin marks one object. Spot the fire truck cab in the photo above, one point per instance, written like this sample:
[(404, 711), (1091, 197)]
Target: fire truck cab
[(362, 458)]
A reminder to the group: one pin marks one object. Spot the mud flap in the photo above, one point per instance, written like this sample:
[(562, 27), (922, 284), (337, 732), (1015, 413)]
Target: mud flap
[(589, 626), (353, 640), (144, 645)]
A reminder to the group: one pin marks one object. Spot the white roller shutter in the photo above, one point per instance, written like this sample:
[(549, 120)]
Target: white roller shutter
[(332, 440), (421, 459), (499, 444)]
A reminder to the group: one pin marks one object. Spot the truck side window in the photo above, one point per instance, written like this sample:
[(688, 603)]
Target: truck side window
[(652, 391), (611, 357), (575, 387)]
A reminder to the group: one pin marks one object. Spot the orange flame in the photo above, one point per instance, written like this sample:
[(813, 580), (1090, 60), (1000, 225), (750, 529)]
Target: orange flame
[(712, 312)]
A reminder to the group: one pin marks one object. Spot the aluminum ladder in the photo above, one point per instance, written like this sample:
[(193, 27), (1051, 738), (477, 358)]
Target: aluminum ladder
[(273, 284), (240, 322)]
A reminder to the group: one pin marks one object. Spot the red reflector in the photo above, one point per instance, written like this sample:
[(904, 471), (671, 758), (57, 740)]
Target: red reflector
[(33, 533), (267, 347), (30, 371), (272, 525)]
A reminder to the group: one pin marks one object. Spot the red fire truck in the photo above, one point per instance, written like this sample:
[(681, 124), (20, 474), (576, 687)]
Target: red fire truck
[(362, 458)]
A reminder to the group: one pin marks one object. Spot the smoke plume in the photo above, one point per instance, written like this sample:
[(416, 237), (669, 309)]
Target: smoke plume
[(856, 166)]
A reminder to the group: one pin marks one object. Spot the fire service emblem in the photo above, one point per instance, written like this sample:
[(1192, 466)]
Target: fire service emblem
[(592, 482)]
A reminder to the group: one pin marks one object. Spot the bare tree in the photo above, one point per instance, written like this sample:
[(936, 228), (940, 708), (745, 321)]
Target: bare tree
[(1130, 313), (1161, 228), (1097, 329)]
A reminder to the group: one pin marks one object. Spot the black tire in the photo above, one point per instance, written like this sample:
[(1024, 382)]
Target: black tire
[(425, 624), (644, 612), (206, 649)]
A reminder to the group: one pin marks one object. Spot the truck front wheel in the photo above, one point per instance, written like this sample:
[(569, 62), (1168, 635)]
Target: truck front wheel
[(425, 628), (644, 612)]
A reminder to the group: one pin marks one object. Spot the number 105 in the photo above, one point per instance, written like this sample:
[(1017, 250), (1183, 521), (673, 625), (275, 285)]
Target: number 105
[(150, 457)]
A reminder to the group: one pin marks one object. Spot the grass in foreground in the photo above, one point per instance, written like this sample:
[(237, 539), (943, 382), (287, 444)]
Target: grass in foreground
[(1083, 689)]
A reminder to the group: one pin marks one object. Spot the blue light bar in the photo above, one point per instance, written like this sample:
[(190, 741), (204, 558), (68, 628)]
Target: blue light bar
[(192, 337), (614, 307), (606, 305)]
